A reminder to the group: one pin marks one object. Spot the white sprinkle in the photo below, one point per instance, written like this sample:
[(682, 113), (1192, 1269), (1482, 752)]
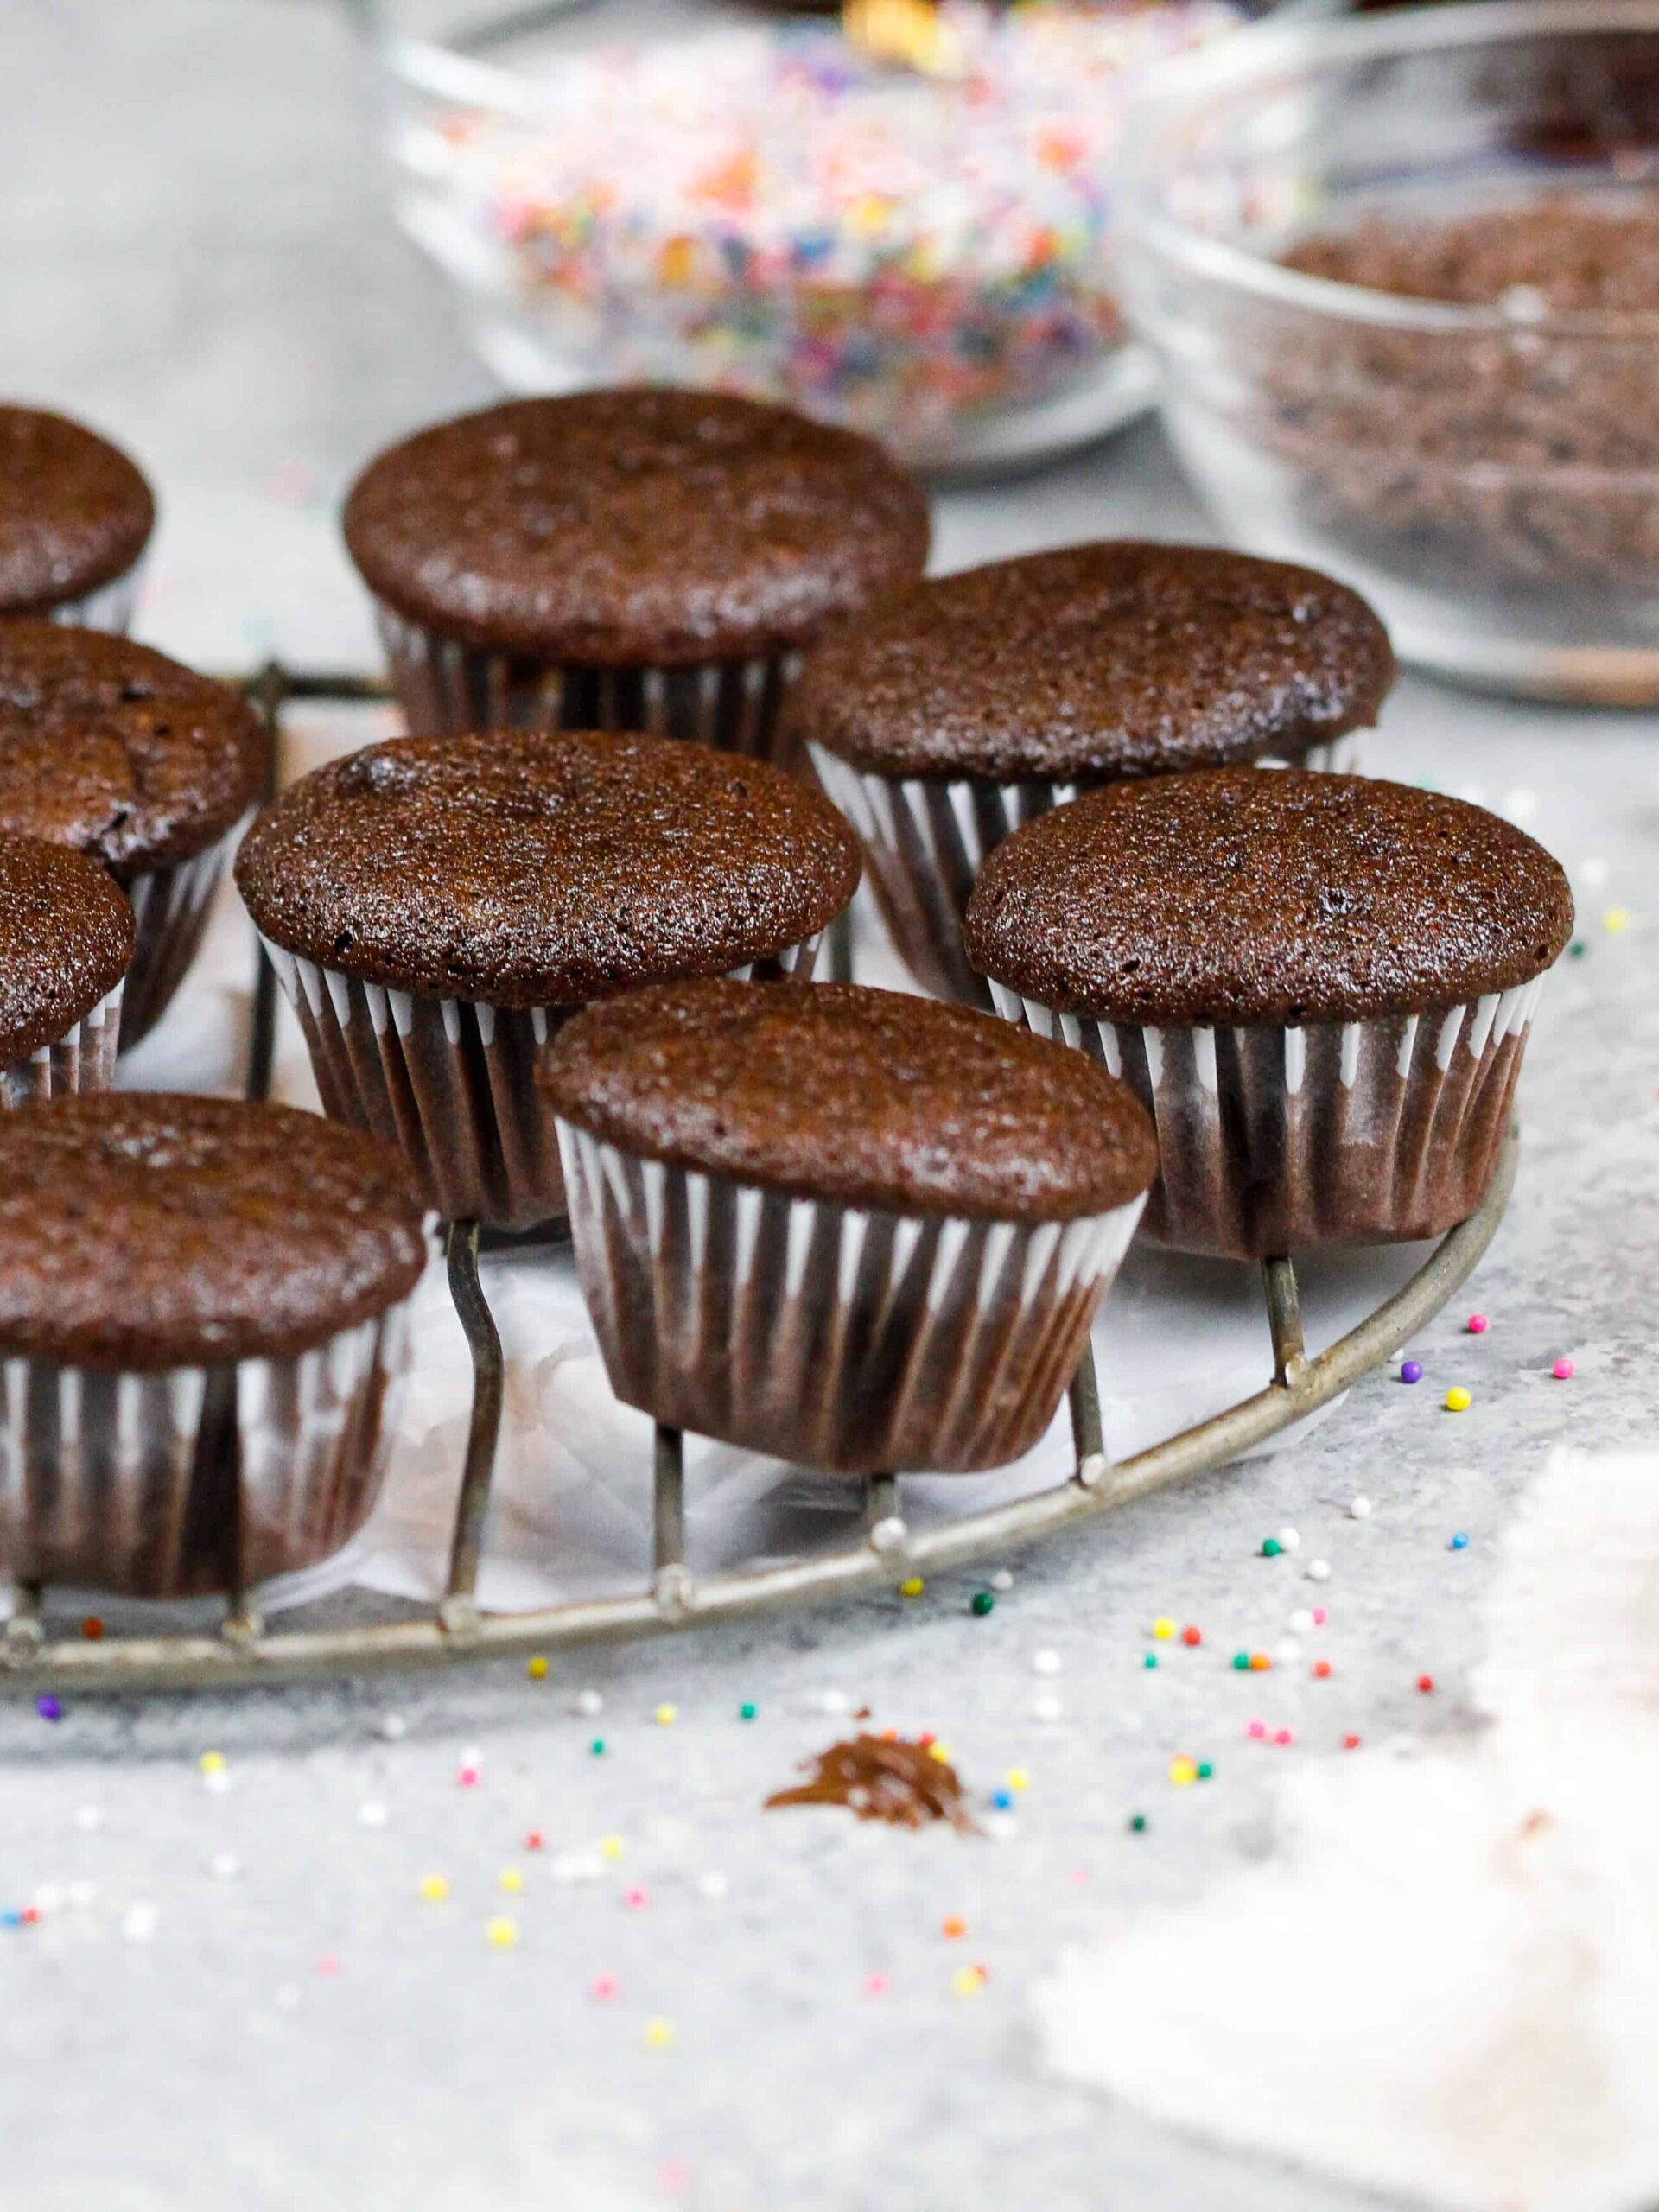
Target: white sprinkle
[(392, 1726), (88, 1817), (139, 1920), (1520, 804), (1045, 1663), (1001, 1828), (82, 1893), (713, 1885), (577, 1866), (224, 1866), (469, 1755), (216, 1780), (1047, 1706), (1288, 1651), (49, 1898), (1360, 1510), (1003, 1579), (371, 1813), (1290, 1540), (286, 1998), (1300, 1622), (1319, 1570), (1592, 873), (834, 1702), (587, 1703)]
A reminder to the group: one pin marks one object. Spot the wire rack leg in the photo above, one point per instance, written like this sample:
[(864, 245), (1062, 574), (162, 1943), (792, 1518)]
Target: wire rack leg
[(670, 1579), (459, 1610), (25, 1631), (838, 947), (1290, 1370), (270, 689), (1087, 1438)]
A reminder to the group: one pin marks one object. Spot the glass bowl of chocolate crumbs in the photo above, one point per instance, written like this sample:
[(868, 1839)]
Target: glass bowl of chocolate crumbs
[(1402, 272)]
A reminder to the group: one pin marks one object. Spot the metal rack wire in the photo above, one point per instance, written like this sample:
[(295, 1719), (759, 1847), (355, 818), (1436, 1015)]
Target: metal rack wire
[(245, 1652)]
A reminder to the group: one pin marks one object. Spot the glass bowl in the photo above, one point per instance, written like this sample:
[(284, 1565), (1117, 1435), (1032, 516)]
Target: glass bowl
[(1486, 471), (690, 192)]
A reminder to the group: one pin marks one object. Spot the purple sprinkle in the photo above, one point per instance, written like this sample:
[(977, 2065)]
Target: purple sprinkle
[(48, 1708), (1411, 1370)]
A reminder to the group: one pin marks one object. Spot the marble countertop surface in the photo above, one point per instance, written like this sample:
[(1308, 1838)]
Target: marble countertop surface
[(240, 1998)]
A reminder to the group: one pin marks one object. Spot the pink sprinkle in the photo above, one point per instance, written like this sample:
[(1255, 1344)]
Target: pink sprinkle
[(1256, 1731), (1320, 1616), (327, 1966), (1476, 1325), (1563, 1371), (1283, 1736), (468, 1777), (637, 1899), (603, 1987), (1079, 1876), (673, 2178), (876, 1984)]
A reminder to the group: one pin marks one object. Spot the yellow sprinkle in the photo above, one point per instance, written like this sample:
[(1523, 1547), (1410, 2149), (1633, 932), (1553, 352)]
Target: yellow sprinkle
[(502, 1934), (434, 1889), (1457, 1402), (667, 1715), (912, 1587), (1163, 1627), (611, 1847), (536, 1669), (660, 2033), (212, 1762), (512, 1878), (1181, 1772), (967, 1982), (1017, 1779), (940, 1751), (1617, 919)]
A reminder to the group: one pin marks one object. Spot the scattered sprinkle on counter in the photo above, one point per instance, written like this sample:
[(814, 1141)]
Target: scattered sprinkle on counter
[(1411, 1370), (1457, 1400)]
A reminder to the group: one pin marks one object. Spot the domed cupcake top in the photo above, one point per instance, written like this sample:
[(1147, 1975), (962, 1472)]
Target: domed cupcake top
[(116, 750), (544, 869), (74, 512), (1257, 895), (66, 938), (143, 1231), (863, 1098), (1096, 662), (640, 525)]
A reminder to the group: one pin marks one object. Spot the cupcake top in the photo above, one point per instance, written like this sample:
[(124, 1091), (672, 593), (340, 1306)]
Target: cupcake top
[(641, 525), (74, 512), (1263, 895), (139, 1231), (117, 751), (859, 1097), (1096, 662), (546, 868), (65, 937)]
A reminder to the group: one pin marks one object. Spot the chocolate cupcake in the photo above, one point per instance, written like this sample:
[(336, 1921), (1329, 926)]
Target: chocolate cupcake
[(75, 517), (436, 907), (120, 754), (65, 937), (644, 559), (850, 1227), (1321, 986), (200, 1313), (968, 705)]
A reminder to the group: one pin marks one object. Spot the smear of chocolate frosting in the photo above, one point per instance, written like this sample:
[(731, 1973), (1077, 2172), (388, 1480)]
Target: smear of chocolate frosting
[(883, 1778)]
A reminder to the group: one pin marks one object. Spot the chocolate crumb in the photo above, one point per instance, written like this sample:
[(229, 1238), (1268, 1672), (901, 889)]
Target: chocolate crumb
[(883, 1778)]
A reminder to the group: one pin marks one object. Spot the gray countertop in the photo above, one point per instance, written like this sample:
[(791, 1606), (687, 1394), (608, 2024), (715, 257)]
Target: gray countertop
[(196, 255)]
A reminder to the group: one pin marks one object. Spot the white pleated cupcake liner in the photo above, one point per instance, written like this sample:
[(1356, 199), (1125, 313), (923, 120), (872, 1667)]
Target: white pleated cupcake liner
[(449, 689), (170, 909), (122, 1481), (855, 1341), (926, 841), (451, 1083), (1271, 1141), (109, 608), (82, 1059)]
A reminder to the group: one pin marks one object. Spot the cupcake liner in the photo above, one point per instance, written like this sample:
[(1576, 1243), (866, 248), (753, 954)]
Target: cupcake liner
[(450, 1082), (109, 608), (170, 907), (448, 690), (121, 1481), (1274, 1140), (858, 1341), (926, 840), (84, 1060)]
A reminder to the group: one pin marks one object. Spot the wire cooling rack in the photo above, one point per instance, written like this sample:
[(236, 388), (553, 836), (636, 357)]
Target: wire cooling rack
[(245, 1652)]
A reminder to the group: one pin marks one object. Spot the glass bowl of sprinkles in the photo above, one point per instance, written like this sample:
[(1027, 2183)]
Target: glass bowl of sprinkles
[(671, 190), (1402, 274)]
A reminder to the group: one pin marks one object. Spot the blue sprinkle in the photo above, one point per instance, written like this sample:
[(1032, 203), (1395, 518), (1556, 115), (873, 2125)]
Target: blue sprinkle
[(1002, 1799), (1459, 1542), (12, 1917)]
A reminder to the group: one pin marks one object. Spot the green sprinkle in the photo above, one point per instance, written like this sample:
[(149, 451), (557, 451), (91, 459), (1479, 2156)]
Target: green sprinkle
[(1576, 949), (1137, 1824), (1241, 1662), (1150, 1659), (1205, 1769), (748, 1710), (1272, 1547), (982, 1603), (597, 1746)]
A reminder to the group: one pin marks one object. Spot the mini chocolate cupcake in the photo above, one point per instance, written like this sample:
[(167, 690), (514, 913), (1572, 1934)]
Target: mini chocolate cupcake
[(119, 753), (200, 1314), (65, 937), (436, 908), (968, 705), (1321, 986), (75, 517), (644, 559), (850, 1227)]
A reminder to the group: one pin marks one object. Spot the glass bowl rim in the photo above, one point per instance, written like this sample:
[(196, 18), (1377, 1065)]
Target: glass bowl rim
[(1257, 55)]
